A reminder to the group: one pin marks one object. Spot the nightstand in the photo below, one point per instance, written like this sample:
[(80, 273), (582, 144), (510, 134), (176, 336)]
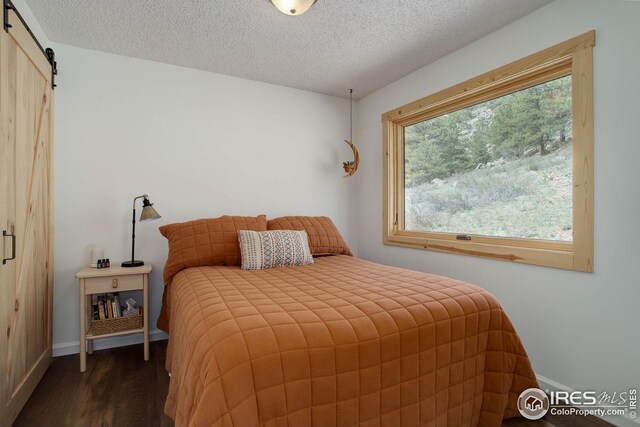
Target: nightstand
[(105, 281)]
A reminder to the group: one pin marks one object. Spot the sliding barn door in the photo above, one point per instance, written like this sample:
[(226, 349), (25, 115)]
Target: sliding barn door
[(25, 217)]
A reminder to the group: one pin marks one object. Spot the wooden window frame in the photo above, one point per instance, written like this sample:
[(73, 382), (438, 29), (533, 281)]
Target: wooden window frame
[(573, 57)]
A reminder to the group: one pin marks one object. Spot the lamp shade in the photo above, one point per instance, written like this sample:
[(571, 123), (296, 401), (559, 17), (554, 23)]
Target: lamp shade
[(293, 7), (148, 211)]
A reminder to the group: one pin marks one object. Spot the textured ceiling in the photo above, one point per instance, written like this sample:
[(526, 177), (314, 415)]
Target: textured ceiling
[(336, 45)]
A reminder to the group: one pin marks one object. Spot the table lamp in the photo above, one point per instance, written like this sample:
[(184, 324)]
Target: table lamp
[(148, 214)]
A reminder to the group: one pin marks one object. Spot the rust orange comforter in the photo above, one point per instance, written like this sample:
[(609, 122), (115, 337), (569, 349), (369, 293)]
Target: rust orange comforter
[(342, 342)]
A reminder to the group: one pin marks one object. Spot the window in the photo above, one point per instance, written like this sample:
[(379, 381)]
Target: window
[(499, 166)]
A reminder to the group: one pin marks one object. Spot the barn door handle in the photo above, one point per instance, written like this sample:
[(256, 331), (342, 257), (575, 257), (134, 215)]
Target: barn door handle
[(13, 246)]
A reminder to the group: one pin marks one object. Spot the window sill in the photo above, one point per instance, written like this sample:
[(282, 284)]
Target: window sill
[(562, 256)]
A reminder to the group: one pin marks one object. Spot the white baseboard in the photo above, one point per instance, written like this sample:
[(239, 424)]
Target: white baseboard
[(73, 347), (622, 421)]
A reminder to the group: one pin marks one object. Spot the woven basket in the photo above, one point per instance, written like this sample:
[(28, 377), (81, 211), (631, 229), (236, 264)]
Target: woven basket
[(118, 324)]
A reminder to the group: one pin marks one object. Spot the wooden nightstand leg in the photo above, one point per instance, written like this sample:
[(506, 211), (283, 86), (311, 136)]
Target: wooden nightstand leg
[(146, 315), (83, 326), (88, 322)]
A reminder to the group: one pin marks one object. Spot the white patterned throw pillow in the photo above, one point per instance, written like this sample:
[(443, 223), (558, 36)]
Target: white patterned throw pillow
[(277, 248)]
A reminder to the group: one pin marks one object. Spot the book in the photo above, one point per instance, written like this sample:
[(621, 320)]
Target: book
[(109, 307), (101, 314), (94, 306), (116, 304)]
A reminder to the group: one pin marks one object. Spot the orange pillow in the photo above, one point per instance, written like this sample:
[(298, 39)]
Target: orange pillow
[(324, 237), (212, 241)]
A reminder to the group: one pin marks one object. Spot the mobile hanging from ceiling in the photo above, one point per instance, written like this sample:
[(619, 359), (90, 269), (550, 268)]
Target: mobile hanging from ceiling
[(351, 166), (48, 53)]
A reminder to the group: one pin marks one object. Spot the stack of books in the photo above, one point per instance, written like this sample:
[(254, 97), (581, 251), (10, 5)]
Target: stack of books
[(106, 306)]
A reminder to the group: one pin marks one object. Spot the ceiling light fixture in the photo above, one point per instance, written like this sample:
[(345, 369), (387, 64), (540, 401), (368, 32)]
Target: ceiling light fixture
[(293, 7)]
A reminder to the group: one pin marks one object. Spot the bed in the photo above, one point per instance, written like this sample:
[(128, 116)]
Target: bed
[(341, 342)]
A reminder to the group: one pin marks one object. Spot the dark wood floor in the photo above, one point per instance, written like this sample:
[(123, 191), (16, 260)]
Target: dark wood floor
[(119, 389), (558, 421)]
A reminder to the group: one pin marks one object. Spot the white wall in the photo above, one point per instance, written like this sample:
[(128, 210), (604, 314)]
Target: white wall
[(200, 144), (580, 330)]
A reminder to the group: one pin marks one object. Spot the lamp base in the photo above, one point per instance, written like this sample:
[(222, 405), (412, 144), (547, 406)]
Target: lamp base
[(135, 263)]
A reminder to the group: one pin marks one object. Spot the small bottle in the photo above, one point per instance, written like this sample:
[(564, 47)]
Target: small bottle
[(108, 263), (99, 264)]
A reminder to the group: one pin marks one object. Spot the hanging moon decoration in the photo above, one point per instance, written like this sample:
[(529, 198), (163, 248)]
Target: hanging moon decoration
[(356, 159), (351, 167)]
